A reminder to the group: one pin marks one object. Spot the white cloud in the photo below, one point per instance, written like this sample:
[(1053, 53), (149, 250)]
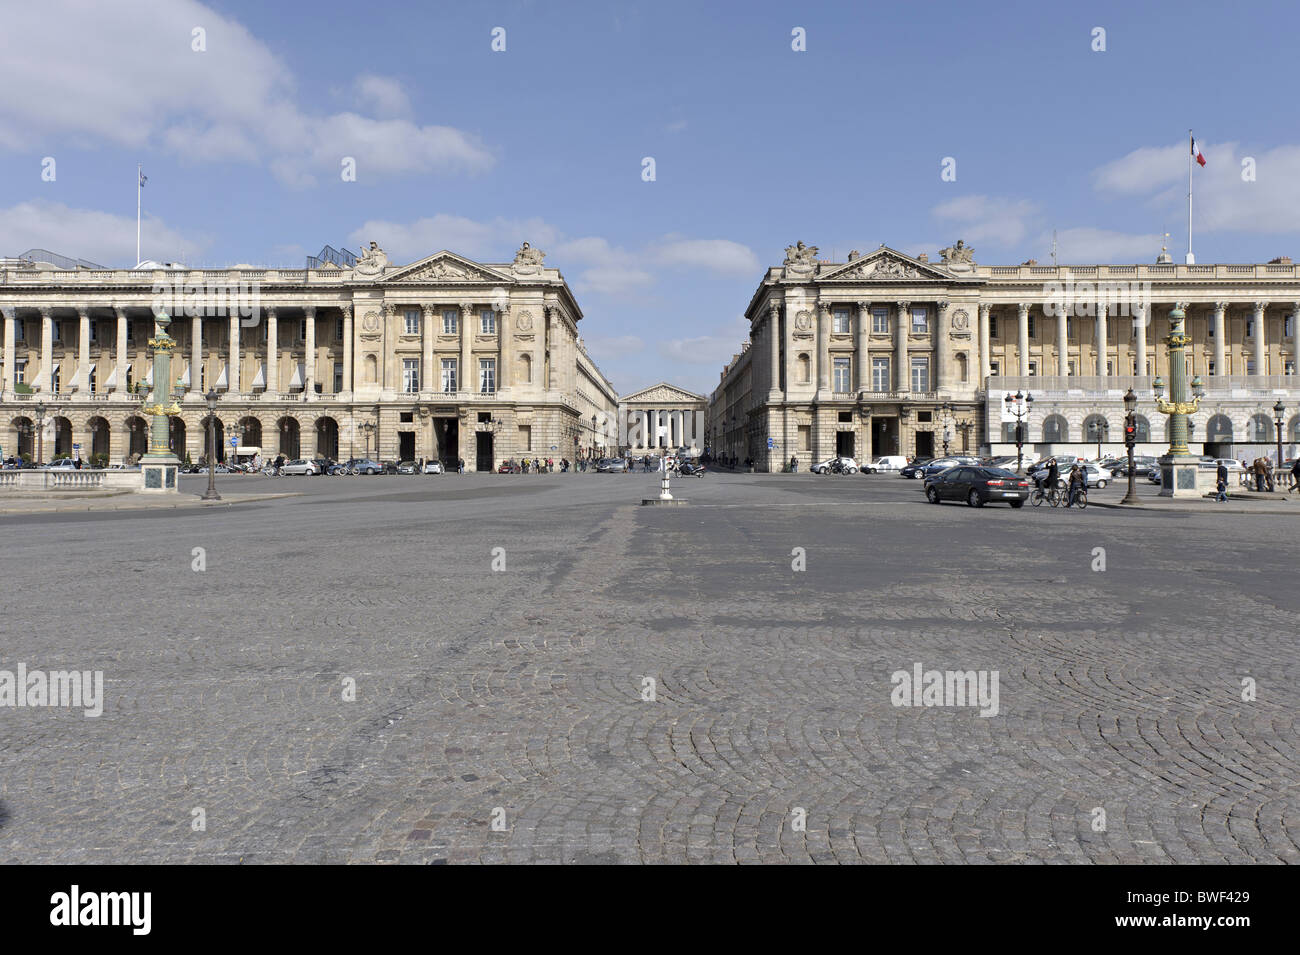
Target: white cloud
[(1086, 246), (715, 348), (989, 219), (1223, 200), (492, 240), (383, 95), (135, 81), (608, 348), (717, 255), (100, 237)]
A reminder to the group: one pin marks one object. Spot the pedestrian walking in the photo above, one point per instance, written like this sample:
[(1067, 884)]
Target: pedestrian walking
[(460, 465), (1295, 476), (1222, 476)]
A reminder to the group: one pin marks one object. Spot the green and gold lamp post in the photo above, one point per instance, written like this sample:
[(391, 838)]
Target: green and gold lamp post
[(1179, 468), (160, 465)]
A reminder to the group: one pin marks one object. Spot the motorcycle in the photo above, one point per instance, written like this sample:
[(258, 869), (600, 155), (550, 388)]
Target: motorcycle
[(690, 469)]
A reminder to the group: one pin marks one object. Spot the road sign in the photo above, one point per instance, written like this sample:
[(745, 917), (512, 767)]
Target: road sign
[(234, 442), (76, 447), (771, 443), (555, 447)]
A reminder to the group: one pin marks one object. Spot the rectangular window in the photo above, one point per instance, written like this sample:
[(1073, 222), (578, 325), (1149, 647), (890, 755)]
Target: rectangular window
[(412, 321), (880, 374), (302, 330), (1110, 367), (1250, 328), (1286, 326), (20, 330), (525, 437), (1288, 368), (130, 332), (840, 321), (449, 321), (411, 375), (338, 329), (203, 379), (1250, 366), (91, 381), (841, 370), (56, 331), (995, 368), (993, 326), (54, 381), (487, 320), (880, 321), (805, 437), (1032, 333), (449, 375), (1209, 368), (338, 377), (487, 376), (921, 374), (93, 326), (920, 320), (20, 370), (1033, 367), (1071, 369)]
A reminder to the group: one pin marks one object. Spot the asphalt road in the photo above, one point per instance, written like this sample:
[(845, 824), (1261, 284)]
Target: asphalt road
[(507, 714)]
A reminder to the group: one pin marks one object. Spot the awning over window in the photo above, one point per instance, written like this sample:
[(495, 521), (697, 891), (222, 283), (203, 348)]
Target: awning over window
[(259, 380), (222, 380), (148, 379), (185, 378), (296, 380)]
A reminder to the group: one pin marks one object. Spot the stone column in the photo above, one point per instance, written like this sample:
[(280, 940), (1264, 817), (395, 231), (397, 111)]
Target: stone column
[(7, 385), (196, 357), (1261, 355), (1221, 366), (468, 381), (119, 371), (774, 345), (1101, 339), (347, 349), (309, 358), (985, 369), (83, 350), (272, 352), (232, 373), (1140, 318), (505, 349), (1295, 337), (823, 350), (1022, 339), (645, 428), (47, 346), (939, 334), (863, 355), (1062, 338), (426, 348), (902, 371)]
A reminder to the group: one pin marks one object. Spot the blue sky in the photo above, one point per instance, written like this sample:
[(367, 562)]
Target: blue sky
[(755, 145)]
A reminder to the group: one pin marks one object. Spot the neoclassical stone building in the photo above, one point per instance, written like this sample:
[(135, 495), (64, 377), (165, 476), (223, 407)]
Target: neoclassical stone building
[(443, 358), (891, 354), (661, 417)]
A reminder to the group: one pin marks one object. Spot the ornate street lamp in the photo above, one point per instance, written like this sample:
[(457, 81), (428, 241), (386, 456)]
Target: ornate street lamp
[(1019, 405), (1178, 468), (1279, 418), (40, 433), (367, 428), (1100, 429), (159, 464), (211, 418), (1130, 439)]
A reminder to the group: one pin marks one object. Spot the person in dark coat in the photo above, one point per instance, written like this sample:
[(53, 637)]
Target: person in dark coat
[(1222, 476)]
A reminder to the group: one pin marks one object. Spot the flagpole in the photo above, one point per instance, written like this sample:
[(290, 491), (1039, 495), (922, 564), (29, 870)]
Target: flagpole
[(1191, 259), (139, 189)]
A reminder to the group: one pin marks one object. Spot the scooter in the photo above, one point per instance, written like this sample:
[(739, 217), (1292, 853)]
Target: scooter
[(690, 469)]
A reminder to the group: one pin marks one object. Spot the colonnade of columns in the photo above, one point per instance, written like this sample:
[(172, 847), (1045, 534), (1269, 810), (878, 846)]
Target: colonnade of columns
[(665, 427)]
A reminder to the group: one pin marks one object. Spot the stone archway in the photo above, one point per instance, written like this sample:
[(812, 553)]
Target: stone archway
[(62, 439), (327, 438), (99, 430), (249, 431), (176, 436), (23, 433), (290, 437), (137, 430)]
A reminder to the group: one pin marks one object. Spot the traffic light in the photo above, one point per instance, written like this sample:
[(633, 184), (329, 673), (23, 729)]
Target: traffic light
[(1130, 434)]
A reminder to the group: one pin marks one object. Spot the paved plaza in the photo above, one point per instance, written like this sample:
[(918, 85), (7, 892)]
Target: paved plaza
[(547, 672)]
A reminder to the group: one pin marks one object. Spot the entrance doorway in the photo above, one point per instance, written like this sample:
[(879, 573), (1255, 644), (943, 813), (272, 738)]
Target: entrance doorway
[(406, 445), (844, 444), (446, 437), (884, 436), (483, 459), (925, 444)]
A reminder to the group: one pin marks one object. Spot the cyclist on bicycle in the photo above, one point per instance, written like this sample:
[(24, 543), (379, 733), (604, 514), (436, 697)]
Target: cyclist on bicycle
[(1078, 484), (1053, 475)]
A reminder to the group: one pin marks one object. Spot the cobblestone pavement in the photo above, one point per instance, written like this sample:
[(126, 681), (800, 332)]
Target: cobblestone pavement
[(517, 695)]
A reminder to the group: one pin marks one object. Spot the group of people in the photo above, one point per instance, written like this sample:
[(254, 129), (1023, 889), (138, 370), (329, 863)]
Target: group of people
[(534, 465), (1261, 471), (1076, 483)]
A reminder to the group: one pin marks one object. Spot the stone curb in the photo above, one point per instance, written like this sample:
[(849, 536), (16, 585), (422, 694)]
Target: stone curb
[(87, 506)]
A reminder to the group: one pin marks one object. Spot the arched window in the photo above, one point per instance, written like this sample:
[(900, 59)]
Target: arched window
[(1294, 429), (524, 369), (1141, 429), (1095, 428), (1261, 428), (1055, 429), (1218, 429)]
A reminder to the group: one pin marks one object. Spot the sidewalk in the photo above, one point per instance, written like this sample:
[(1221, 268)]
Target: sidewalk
[(1240, 501), (120, 501)]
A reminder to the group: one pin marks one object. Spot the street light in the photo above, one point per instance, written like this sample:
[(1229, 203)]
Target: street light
[(1019, 405), (946, 411), (1279, 417), (40, 433), (1100, 429), (367, 428), (1130, 439), (211, 493)]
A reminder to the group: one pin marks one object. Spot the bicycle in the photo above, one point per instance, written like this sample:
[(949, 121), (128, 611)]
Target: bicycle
[(1080, 499), (1052, 496)]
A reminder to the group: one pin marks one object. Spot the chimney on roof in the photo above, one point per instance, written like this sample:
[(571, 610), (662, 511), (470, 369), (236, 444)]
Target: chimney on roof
[(1030, 262), (1280, 260), (923, 257)]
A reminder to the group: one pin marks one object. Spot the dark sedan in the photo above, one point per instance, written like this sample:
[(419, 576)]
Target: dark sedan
[(913, 470), (977, 486)]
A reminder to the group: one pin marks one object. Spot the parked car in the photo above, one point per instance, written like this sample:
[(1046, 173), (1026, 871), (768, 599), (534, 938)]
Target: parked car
[(942, 464), (365, 466), (888, 462), (1097, 476), (406, 467), (913, 470), (299, 466), (432, 467), (1154, 475), (977, 485), (846, 465), (62, 464), (1141, 464), (610, 465), (342, 467)]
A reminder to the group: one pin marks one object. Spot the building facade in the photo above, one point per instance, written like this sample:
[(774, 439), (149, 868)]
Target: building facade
[(890, 354), (662, 417), (444, 358)]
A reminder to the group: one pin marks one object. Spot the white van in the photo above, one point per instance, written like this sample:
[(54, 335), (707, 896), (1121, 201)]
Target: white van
[(890, 462)]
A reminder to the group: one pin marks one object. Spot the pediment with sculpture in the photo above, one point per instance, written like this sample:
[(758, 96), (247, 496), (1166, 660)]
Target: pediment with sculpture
[(885, 265), (444, 267)]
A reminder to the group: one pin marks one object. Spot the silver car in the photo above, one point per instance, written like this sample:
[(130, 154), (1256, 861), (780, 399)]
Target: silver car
[(300, 466)]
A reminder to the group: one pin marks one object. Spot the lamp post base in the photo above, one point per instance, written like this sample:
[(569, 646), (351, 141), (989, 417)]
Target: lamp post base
[(1180, 476), (159, 472)]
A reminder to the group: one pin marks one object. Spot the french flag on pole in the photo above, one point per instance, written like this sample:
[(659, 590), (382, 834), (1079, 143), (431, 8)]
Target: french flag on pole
[(1196, 152)]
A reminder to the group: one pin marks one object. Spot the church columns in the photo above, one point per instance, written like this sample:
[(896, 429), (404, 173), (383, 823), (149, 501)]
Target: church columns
[(1022, 338)]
